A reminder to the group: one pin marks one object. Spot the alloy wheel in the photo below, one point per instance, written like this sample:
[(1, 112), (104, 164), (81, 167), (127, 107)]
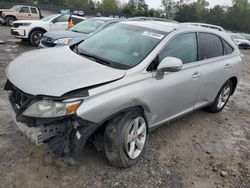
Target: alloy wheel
[(224, 96), (136, 137)]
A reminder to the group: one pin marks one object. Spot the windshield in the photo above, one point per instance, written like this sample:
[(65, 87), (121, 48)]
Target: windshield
[(15, 8), (48, 18), (87, 26), (123, 44), (235, 36)]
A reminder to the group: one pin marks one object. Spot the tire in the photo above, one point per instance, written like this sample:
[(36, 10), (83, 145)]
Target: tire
[(221, 98), (10, 20), (35, 37), (123, 143)]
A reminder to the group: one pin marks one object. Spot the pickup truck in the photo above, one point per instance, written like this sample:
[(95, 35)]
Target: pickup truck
[(19, 12)]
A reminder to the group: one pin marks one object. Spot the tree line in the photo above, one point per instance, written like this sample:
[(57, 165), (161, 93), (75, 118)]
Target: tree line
[(234, 18)]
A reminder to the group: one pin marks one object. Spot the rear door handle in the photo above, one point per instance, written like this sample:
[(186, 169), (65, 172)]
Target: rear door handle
[(196, 75), (227, 66)]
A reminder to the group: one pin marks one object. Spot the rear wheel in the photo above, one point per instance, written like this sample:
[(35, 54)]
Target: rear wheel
[(125, 138), (222, 97), (35, 37), (10, 20)]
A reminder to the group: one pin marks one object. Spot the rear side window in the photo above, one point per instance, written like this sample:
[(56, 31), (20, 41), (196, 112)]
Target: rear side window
[(183, 47), (24, 10), (209, 46), (33, 10), (227, 48)]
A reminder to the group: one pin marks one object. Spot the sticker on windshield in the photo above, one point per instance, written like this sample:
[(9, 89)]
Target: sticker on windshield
[(136, 54), (153, 35)]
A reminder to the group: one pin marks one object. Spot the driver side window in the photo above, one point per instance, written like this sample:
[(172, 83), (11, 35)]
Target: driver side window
[(62, 18), (183, 47), (24, 10)]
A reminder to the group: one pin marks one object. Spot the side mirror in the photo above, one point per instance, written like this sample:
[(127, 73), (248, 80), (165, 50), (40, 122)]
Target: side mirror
[(53, 21), (168, 64)]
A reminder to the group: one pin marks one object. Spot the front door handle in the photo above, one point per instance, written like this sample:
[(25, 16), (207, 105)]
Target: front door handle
[(196, 75), (227, 66)]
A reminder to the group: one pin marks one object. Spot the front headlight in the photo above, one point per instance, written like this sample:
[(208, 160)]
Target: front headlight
[(64, 41), (49, 109)]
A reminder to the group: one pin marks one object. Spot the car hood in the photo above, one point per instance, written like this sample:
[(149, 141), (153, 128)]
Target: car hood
[(54, 72), (37, 22), (6, 10), (64, 34)]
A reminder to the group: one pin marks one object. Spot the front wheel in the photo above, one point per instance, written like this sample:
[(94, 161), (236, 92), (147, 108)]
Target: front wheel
[(222, 97), (125, 138), (35, 37), (10, 20)]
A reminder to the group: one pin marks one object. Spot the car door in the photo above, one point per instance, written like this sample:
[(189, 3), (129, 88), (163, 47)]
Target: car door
[(215, 66), (34, 13), (24, 13), (176, 93), (60, 23)]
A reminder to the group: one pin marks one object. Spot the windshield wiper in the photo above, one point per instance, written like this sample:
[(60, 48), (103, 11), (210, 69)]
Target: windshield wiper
[(96, 59), (104, 61), (79, 31), (74, 30)]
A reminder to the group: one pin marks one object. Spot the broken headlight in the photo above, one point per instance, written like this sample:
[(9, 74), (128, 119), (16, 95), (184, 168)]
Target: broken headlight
[(49, 109)]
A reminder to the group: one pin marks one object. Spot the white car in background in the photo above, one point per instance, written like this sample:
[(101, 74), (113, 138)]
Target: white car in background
[(240, 41), (33, 30)]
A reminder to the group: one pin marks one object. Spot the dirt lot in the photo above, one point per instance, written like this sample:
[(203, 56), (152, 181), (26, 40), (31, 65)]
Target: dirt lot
[(200, 150)]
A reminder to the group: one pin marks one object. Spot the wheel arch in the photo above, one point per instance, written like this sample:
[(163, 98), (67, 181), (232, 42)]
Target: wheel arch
[(235, 82), (142, 109), (13, 16), (77, 144), (37, 29)]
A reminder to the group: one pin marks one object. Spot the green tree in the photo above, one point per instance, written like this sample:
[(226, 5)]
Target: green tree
[(238, 16), (154, 13), (186, 13), (109, 5), (217, 16), (169, 7), (141, 8)]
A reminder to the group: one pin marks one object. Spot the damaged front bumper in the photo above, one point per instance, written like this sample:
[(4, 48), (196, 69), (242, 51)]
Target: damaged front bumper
[(64, 135)]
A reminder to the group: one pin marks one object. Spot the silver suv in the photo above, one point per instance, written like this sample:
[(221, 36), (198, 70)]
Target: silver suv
[(122, 83)]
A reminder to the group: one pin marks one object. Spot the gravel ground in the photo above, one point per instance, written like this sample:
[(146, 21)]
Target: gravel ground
[(199, 150)]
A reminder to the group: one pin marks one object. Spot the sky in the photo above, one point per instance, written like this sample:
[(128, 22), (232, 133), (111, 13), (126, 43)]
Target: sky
[(157, 3)]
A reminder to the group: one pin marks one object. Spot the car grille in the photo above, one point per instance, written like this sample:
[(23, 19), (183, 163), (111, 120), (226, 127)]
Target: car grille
[(48, 42), (16, 25), (14, 33), (18, 98)]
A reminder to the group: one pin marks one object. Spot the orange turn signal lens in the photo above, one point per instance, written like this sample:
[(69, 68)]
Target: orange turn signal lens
[(72, 108)]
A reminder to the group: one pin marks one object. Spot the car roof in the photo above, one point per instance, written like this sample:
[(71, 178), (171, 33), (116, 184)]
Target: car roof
[(170, 26), (141, 18), (204, 25), (103, 18), (157, 25)]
